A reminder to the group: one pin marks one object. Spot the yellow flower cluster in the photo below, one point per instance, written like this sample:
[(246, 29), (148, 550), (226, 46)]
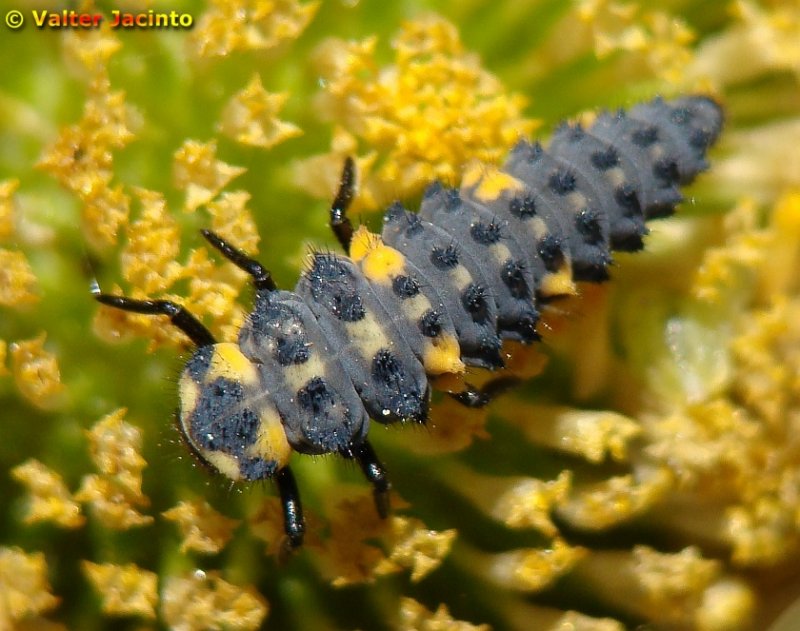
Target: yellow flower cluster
[(50, 499), (251, 117), (82, 158), (17, 281), (115, 494), (415, 617), (204, 530), (764, 38), (25, 589), (35, 370), (361, 547), (714, 437), (249, 25), (149, 259), (205, 601), (407, 124), (661, 39), (125, 590), (702, 386)]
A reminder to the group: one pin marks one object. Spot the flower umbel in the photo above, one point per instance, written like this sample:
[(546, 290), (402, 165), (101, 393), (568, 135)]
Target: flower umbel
[(643, 472)]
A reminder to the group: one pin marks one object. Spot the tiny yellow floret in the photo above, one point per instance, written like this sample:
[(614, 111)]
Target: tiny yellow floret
[(36, 373), (124, 590), (49, 498), (201, 600), (204, 529), (18, 284), (24, 586)]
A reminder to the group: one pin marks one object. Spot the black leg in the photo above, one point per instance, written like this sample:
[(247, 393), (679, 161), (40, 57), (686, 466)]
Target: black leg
[(340, 223), (293, 523), (179, 316), (474, 397), (376, 474), (262, 279)]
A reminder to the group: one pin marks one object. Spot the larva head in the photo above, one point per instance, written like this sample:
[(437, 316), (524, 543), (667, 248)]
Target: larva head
[(227, 418)]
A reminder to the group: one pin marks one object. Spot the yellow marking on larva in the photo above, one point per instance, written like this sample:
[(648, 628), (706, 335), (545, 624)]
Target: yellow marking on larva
[(656, 151), (577, 201), (383, 264), (616, 177), (298, 375), (443, 355), (271, 443), (415, 307), (228, 362), (440, 353), (379, 262), (537, 228), (489, 182), (189, 394), (226, 464), (558, 283), (501, 253), (361, 243), (460, 277), (367, 335)]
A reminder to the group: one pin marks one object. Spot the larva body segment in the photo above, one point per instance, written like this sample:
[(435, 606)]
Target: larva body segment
[(437, 290)]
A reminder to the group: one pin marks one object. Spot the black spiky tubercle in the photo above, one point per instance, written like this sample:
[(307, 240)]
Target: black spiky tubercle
[(551, 213)]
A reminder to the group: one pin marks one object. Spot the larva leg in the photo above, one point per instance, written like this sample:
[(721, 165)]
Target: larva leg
[(376, 474), (294, 524), (473, 397), (262, 279), (339, 221), (179, 316)]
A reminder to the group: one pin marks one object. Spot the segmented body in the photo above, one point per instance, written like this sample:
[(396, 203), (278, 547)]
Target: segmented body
[(359, 336)]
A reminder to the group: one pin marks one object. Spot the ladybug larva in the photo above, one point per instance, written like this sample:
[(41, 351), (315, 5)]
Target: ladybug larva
[(437, 291)]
